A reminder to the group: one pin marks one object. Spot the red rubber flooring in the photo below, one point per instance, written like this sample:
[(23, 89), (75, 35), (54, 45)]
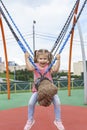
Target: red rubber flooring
[(74, 118)]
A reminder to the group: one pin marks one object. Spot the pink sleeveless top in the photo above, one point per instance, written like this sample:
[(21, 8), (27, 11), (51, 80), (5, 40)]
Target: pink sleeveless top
[(37, 75)]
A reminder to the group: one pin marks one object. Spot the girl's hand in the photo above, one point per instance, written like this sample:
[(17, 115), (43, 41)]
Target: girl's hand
[(58, 56), (26, 55)]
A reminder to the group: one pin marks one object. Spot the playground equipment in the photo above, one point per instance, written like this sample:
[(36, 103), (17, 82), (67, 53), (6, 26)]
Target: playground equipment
[(58, 42), (6, 58)]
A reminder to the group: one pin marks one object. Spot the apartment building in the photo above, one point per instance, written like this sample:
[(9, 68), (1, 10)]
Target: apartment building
[(12, 66), (78, 67), (2, 67)]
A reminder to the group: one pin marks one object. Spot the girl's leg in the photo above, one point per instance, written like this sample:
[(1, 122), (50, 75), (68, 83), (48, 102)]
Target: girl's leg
[(31, 105), (57, 110), (57, 121)]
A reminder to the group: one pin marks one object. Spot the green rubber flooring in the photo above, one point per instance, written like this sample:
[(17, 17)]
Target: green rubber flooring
[(21, 99)]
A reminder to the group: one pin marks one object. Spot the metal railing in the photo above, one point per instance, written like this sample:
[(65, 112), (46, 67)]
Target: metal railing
[(27, 86)]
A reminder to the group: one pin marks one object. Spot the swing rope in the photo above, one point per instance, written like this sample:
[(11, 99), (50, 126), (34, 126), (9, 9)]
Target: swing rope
[(18, 40), (73, 26), (16, 27), (61, 49), (64, 29)]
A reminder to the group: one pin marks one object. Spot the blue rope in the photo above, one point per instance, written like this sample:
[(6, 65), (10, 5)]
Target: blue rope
[(36, 68), (49, 67), (17, 39), (52, 63), (16, 27), (73, 26), (64, 43), (61, 49), (22, 46), (30, 58), (65, 28)]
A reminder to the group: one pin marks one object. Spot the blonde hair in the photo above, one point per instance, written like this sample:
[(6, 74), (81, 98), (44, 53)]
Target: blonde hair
[(40, 52)]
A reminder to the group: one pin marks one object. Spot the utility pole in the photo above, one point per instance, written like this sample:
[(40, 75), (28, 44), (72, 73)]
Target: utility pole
[(14, 71), (34, 22)]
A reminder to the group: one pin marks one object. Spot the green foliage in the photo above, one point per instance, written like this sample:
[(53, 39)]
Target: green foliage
[(26, 75), (3, 75), (23, 75)]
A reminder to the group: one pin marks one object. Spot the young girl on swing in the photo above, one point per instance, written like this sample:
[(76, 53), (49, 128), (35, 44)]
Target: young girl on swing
[(42, 59)]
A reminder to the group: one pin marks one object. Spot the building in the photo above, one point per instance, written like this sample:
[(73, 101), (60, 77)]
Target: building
[(2, 67), (17, 67), (78, 67), (12, 66)]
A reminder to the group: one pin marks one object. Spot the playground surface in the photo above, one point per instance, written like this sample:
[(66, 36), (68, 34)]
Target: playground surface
[(13, 114)]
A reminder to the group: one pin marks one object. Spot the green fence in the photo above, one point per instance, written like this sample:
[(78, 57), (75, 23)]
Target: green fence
[(73, 84), (16, 86), (27, 86)]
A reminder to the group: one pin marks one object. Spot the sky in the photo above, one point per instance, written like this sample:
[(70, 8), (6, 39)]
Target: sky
[(50, 17)]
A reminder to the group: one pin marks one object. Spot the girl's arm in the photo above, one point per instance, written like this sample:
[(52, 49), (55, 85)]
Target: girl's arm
[(29, 66), (56, 66)]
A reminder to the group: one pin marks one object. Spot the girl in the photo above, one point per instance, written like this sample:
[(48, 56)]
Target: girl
[(42, 59)]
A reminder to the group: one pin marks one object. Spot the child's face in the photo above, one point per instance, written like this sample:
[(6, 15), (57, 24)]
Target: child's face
[(42, 60)]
